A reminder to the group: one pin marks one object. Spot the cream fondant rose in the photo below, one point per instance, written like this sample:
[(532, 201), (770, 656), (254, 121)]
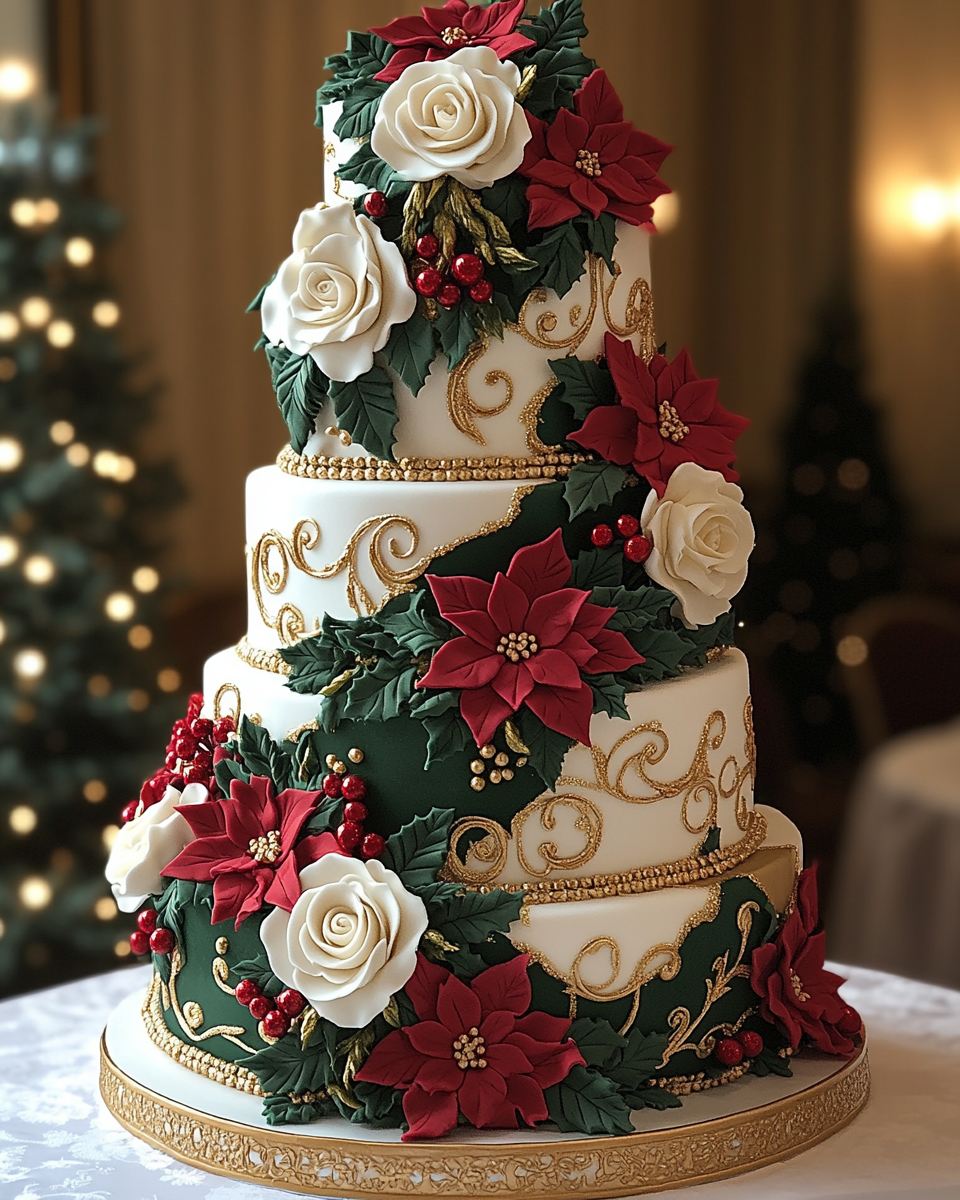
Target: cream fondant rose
[(339, 293), (145, 845), (457, 117), (350, 941), (702, 537)]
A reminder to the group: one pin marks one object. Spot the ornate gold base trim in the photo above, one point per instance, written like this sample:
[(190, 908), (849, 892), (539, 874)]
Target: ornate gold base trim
[(554, 1170), (428, 470)]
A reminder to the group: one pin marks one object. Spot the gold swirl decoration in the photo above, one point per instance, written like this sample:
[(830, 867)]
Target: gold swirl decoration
[(189, 1016), (463, 410), (341, 1166)]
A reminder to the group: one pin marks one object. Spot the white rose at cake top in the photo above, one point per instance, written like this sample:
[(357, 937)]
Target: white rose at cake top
[(350, 941), (146, 844), (456, 117), (337, 296), (702, 538)]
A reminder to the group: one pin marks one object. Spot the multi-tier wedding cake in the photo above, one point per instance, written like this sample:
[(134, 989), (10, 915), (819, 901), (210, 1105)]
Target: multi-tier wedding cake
[(463, 830)]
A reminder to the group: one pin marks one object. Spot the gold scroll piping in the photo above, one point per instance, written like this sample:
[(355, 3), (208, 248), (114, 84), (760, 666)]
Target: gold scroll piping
[(463, 410), (221, 707), (547, 465), (171, 1002)]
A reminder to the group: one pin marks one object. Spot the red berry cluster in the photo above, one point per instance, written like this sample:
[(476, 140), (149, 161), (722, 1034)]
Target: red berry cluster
[(275, 1014), (375, 205), (636, 547), (147, 937), (195, 745), (732, 1050), (466, 271), (350, 834)]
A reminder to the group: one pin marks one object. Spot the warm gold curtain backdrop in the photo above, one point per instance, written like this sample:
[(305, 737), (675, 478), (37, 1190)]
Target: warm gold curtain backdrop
[(210, 151)]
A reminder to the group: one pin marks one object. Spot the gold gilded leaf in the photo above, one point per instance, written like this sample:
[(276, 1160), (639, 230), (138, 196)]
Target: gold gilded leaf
[(308, 1025), (391, 1014), (338, 682), (434, 938), (514, 741), (526, 82)]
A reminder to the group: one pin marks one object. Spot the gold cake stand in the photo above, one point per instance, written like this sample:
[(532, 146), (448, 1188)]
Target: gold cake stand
[(475, 1166)]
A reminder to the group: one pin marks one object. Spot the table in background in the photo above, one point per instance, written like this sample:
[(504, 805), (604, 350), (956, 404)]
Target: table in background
[(58, 1140), (897, 885)]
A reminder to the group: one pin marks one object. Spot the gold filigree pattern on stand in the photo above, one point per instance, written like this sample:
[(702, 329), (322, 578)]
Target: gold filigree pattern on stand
[(339, 1166), (430, 470)]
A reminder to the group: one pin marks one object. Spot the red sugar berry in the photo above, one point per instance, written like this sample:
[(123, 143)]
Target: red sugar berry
[(201, 728), (751, 1042), (849, 1023), (427, 246), (601, 535), (372, 846), (728, 1052), (139, 942), (186, 746), (481, 291), (354, 787), (180, 727), (170, 762), (428, 282), (259, 1007), (129, 811), (637, 548), (467, 269), (162, 941), (331, 786), (349, 835), (355, 811), (291, 1002), (197, 774), (146, 920), (627, 524), (449, 295), (246, 991), (222, 728), (275, 1023), (375, 205)]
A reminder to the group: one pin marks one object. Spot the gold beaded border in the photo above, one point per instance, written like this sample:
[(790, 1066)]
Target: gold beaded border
[(262, 660), (428, 470), (633, 1165)]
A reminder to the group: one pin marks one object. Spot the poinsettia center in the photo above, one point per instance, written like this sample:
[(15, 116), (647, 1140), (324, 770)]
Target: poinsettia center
[(468, 1050), (588, 161), (797, 985), (265, 848), (672, 429), (516, 646), (453, 35)]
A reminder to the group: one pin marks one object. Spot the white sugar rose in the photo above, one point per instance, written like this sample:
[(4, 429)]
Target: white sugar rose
[(145, 845), (339, 293), (350, 941), (702, 537), (457, 117)]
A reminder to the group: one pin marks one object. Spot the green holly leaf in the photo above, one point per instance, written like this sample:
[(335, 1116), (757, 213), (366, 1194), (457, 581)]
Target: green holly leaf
[(411, 622), (360, 109), (608, 695), (587, 1102), (769, 1062), (301, 390), (367, 409), (471, 917), (508, 199), (281, 1110), (597, 1041), (255, 303), (655, 1097), (559, 74), (457, 334), (586, 385), (560, 257), (599, 236), (636, 607), (226, 770), (417, 852), (263, 756), (705, 637), (380, 1106), (314, 662), (639, 1059), (591, 485), (547, 747), (411, 350), (287, 1067), (258, 970), (179, 896), (447, 734), (365, 55), (598, 568), (663, 649), (378, 693), (559, 25), (365, 169)]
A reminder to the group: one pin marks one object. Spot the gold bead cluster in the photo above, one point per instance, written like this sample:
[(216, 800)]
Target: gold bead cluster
[(453, 35), (672, 429), (265, 848), (307, 1097), (588, 161), (797, 984), (469, 1049), (428, 470), (341, 434), (500, 770), (683, 1085), (517, 645)]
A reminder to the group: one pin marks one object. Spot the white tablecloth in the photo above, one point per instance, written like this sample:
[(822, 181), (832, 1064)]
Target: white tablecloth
[(58, 1141), (897, 886)]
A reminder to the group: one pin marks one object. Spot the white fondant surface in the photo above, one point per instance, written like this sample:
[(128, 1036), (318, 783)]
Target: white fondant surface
[(337, 151)]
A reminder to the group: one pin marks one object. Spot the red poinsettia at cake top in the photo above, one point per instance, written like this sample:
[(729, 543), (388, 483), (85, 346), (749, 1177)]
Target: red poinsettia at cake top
[(796, 993), (247, 845), (527, 638), (591, 160), (667, 415), (440, 32), (476, 1050)]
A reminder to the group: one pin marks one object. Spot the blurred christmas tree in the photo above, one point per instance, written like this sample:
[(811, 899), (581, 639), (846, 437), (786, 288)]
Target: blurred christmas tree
[(85, 695), (833, 542)]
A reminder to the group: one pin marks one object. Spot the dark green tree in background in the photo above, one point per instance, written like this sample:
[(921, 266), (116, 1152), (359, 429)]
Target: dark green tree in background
[(833, 542), (87, 694)]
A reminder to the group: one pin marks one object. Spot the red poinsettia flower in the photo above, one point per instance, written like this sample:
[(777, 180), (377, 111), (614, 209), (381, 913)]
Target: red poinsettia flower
[(667, 415), (440, 32), (476, 1051), (527, 638), (247, 844), (591, 160), (796, 993)]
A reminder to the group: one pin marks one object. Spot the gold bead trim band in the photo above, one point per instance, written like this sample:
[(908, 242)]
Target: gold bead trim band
[(692, 869), (263, 660), (428, 470)]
